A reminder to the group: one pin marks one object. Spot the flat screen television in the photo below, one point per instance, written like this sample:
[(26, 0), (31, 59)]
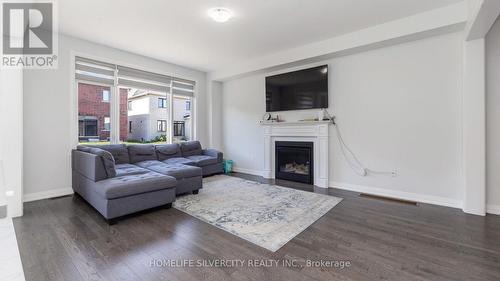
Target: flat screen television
[(303, 89)]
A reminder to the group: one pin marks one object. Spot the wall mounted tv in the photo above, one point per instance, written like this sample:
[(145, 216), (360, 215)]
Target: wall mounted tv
[(303, 89)]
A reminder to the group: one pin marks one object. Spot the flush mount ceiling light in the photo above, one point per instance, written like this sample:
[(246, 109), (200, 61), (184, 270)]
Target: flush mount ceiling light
[(220, 14)]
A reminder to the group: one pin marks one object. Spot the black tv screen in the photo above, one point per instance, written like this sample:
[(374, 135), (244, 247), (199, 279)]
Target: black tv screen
[(303, 89)]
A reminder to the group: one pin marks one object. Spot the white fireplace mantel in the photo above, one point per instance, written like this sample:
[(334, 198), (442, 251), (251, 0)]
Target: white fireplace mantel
[(316, 132)]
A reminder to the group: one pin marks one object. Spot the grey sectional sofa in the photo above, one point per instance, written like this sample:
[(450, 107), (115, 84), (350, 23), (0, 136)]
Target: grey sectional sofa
[(118, 180)]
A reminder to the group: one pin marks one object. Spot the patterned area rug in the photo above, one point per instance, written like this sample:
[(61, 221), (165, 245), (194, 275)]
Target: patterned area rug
[(266, 215)]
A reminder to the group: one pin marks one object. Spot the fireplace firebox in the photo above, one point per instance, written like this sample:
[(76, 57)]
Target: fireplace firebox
[(294, 161)]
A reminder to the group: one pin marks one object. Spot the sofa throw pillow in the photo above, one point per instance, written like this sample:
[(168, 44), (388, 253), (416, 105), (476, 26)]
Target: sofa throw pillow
[(119, 152)]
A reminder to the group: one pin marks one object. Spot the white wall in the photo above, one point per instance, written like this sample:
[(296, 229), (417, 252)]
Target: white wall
[(11, 140), (140, 106), (474, 127), (140, 127), (398, 107), (179, 106), (214, 92), (493, 118), (48, 110)]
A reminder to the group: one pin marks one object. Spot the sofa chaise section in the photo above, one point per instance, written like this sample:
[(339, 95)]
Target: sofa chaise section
[(189, 178), (122, 192)]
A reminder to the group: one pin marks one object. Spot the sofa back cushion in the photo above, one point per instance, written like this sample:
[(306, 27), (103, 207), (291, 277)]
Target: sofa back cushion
[(191, 148), (119, 152), (107, 158), (167, 151), (141, 152)]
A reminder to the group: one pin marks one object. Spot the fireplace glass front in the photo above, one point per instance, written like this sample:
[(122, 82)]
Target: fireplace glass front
[(294, 161)]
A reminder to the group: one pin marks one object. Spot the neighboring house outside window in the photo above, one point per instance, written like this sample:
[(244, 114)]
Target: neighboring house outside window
[(162, 125), (162, 103), (94, 120)]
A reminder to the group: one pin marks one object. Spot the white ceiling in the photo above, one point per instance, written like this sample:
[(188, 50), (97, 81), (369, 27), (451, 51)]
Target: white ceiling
[(179, 31)]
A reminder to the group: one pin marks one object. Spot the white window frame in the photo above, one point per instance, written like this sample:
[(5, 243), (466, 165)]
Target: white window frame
[(115, 103)]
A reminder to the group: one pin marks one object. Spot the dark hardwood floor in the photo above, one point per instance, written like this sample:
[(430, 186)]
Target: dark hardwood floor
[(65, 239)]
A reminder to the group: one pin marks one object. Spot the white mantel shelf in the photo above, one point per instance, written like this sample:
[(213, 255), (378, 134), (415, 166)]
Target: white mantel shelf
[(294, 123), (316, 132)]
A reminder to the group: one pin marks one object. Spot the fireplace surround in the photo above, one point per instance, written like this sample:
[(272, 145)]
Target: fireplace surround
[(316, 132)]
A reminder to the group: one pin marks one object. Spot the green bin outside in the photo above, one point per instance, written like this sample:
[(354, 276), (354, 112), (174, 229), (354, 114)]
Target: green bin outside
[(228, 166)]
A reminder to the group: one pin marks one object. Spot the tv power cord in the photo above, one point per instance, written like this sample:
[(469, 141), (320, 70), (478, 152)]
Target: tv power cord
[(352, 160)]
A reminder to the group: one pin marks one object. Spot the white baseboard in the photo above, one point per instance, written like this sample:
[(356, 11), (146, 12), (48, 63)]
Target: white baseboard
[(428, 199), (47, 194), (248, 171), (493, 209), (421, 198)]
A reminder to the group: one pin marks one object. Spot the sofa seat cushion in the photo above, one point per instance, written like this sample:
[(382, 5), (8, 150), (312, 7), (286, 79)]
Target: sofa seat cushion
[(148, 163), (178, 160), (129, 185), (177, 171), (129, 169), (202, 160)]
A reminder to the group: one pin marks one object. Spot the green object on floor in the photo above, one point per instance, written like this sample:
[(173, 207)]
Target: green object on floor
[(228, 166)]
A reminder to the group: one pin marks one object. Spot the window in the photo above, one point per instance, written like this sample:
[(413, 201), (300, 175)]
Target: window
[(118, 103), (179, 128), (162, 125), (94, 122), (107, 123), (105, 96), (162, 103), (182, 123), (145, 116)]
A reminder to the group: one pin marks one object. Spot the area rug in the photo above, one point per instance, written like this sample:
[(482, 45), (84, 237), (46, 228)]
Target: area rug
[(266, 215)]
